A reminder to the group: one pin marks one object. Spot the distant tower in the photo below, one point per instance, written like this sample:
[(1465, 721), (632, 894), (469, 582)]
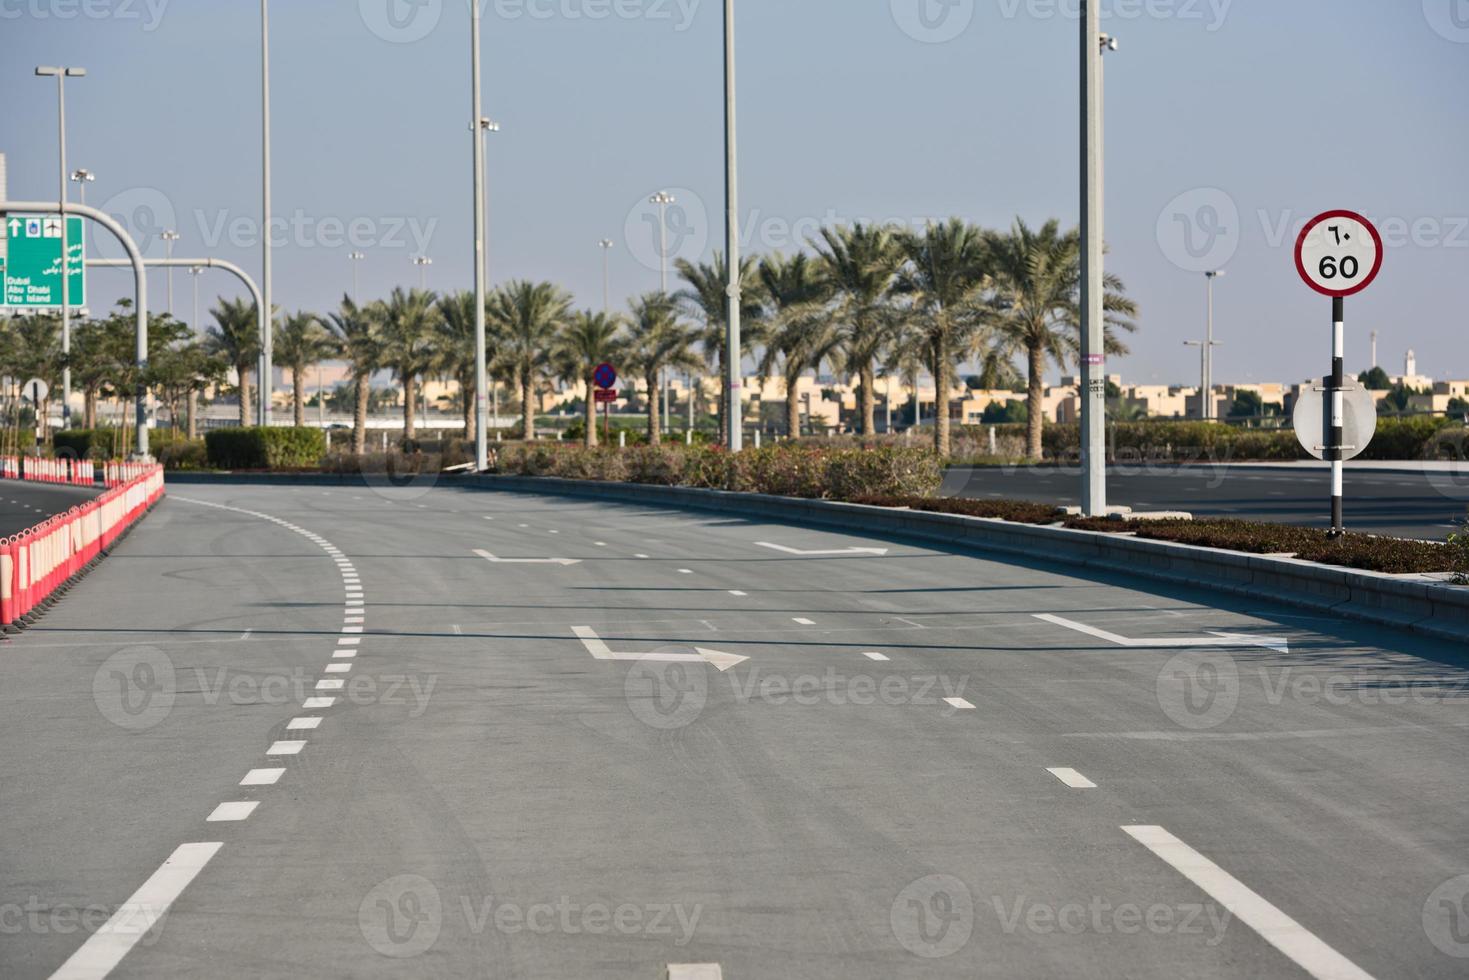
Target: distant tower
[(1410, 365), (1374, 349)]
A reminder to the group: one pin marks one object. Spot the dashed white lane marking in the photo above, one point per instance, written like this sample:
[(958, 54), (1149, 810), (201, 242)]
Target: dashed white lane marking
[(553, 531), (344, 653), (959, 704), (737, 592), (329, 684), (297, 724), (457, 630), (289, 747), (352, 619), (640, 556), (803, 621), (601, 544), (685, 571), (338, 668), (874, 655), (348, 641), (351, 629), (106, 947), (353, 602), (317, 704), (695, 971), (1273, 925), (1072, 778), (229, 812), (262, 777)]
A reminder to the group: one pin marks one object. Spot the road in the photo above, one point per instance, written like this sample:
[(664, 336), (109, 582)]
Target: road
[(876, 763), (25, 504), (1396, 502)]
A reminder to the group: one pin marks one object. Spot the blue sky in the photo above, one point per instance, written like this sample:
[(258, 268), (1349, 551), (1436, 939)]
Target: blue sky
[(1229, 122)]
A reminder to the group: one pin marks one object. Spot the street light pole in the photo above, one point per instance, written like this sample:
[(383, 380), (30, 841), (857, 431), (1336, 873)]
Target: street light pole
[(1209, 346), (423, 262), (606, 245), (62, 74), (195, 271), (477, 121), (356, 257), (82, 177), (169, 237), (732, 356), (1093, 336), (269, 312)]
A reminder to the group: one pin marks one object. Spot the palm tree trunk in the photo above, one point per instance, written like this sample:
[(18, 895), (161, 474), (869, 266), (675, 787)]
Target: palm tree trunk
[(527, 409), (89, 408), (467, 396), (244, 372), (410, 393), (192, 407), (793, 407), (298, 396), (655, 421), (359, 415), (942, 440), (1035, 402), (869, 400), (590, 413)]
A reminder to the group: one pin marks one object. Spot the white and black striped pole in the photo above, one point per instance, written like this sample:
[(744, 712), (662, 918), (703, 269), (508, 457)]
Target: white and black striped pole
[(1335, 450)]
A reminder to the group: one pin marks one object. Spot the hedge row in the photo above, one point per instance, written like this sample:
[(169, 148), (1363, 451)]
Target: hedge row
[(789, 471), (264, 448)]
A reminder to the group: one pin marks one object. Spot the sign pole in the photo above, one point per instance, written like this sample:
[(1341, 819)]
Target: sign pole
[(1338, 351)]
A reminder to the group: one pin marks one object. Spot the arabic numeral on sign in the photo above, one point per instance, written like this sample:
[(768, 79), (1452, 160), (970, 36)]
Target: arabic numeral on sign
[(1347, 268)]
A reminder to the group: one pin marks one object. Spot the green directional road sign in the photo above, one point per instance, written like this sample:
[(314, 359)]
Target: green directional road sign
[(33, 262)]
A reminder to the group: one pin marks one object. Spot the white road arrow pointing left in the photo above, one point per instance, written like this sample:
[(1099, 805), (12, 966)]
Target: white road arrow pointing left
[(526, 561), (598, 648)]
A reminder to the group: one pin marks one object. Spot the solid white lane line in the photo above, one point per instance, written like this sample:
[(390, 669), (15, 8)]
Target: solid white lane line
[(262, 777), (695, 971), (316, 704), (106, 947), (229, 812), (959, 703), (296, 724), (1072, 778), (803, 621), (1273, 925), (737, 592), (287, 747), (874, 655)]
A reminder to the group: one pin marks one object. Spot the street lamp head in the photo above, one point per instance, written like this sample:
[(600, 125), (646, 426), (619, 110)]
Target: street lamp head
[(76, 73), (48, 70), (169, 235), (606, 243), (83, 175), (489, 125), (1215, 273), (355, 255), (1109, 43), (663, 197), (423, 260)]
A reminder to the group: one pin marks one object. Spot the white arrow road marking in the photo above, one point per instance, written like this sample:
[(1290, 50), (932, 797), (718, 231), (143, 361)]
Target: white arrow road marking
[(838, 551), (1214, 639), (526, 561), (599, 649)]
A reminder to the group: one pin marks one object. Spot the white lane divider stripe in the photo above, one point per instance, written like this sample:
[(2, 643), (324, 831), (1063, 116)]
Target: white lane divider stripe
[(330, 684), (1072, 778), (345, 653), (959, 704), (314, 704), (106, 947), (874, 655), (803, 621), (262, 777), (338, 668), (1273, 925), (737, 592), (286, 747), (695, 971), (230, 812)]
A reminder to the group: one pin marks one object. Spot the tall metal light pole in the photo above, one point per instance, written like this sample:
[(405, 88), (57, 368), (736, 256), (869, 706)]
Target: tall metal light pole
[(477, 122), (61, 74), (356, 257), (423, 262), (663, 199), (1209, 346), (606, 246), (732, 356), (269, 311), (82, 177), (195, 271), (1374, 349), (169, 237), (1093, 336)]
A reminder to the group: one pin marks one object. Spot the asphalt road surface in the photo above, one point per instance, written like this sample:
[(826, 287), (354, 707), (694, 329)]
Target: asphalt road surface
[(25, 504), (1400, 503), (320, 732)]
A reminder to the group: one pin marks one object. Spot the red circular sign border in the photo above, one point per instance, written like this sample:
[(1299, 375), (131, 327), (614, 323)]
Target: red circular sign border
[(1311, 226)]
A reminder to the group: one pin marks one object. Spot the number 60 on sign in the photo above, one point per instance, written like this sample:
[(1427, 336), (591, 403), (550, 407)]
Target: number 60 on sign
[(1339, 253)]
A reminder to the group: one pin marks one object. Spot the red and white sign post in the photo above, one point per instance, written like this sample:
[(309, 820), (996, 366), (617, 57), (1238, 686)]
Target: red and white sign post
[(1338, 254), (605, 378)]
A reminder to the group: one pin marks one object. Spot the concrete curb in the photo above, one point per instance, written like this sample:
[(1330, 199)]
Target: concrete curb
[(1407, 602)]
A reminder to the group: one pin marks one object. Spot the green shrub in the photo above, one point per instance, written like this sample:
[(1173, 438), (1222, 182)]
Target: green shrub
[(1020, 511), (265, 448), (86, 443), (182, 454)]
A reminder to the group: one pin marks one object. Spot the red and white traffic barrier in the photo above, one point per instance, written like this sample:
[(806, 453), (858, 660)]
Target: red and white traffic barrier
[(80, 472), (37, 561)]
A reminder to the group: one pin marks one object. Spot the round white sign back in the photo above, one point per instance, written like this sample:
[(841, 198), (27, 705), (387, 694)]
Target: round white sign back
[(1339, 253)]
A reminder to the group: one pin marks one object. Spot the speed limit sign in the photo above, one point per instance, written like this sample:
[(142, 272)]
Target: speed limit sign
[(1339, 253)]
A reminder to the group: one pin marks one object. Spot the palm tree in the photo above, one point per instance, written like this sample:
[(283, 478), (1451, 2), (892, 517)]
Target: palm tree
[(946, 273), (658, 342), (300, 343), (706, 299), (528, 315), (1037, 310), (859, 265), (236, 337), (454, 351), (590, 339), (801, 334), (408, 321), (358, 339)]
